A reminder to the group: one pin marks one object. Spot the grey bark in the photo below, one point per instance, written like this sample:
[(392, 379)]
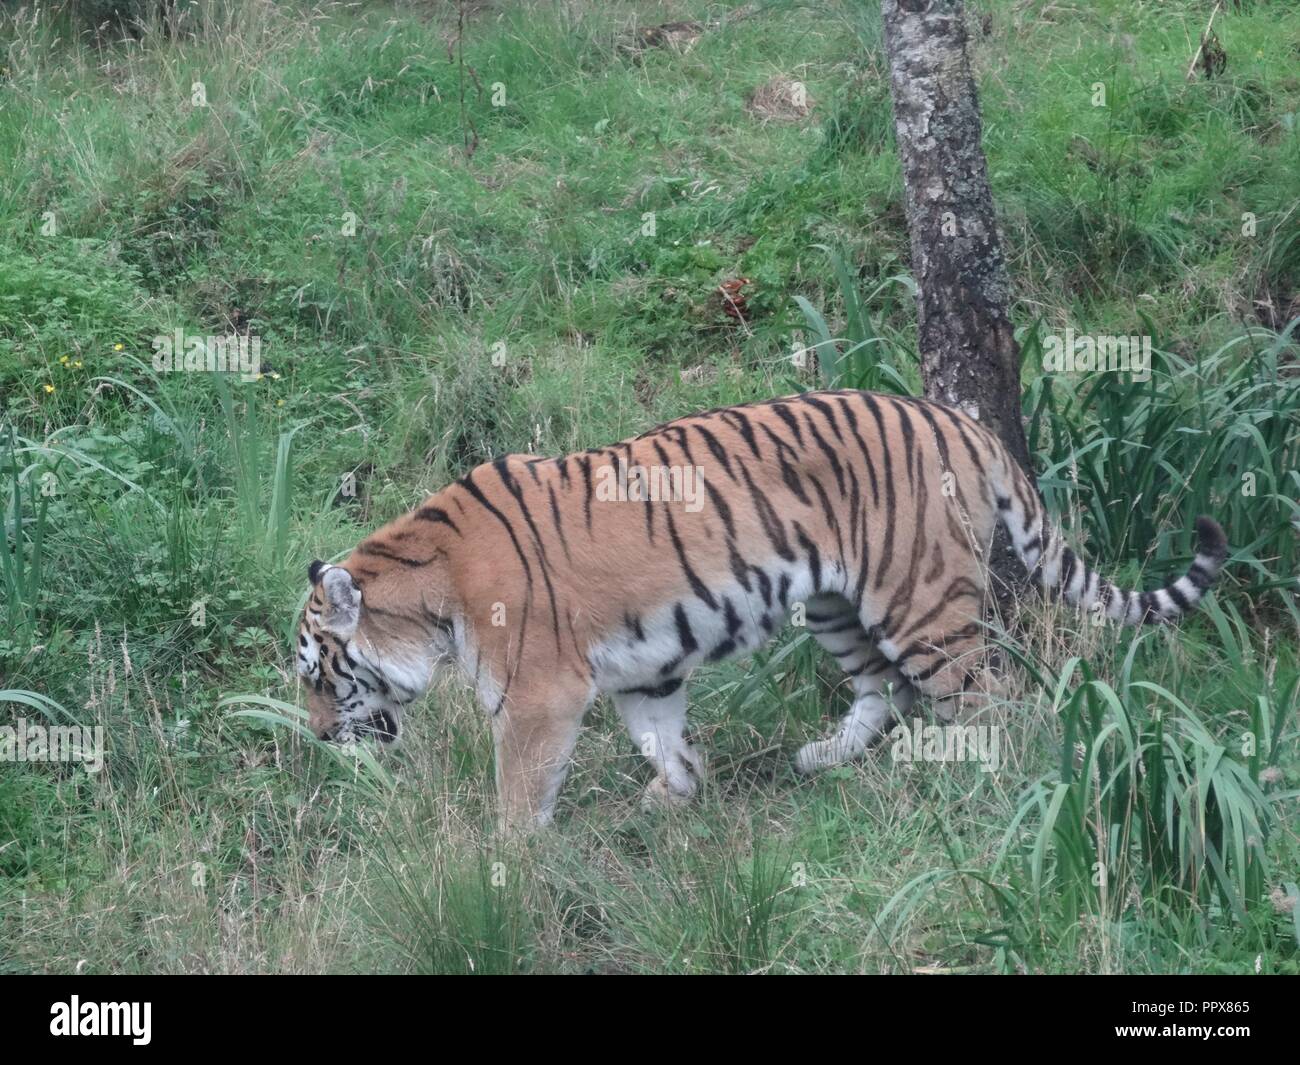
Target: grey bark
[(969, 356)]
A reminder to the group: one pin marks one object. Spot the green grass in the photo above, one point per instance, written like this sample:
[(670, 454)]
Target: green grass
[(157, 525)]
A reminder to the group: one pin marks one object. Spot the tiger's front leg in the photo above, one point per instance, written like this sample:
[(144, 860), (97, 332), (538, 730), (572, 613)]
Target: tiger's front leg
[(534, 739), (656, 721)]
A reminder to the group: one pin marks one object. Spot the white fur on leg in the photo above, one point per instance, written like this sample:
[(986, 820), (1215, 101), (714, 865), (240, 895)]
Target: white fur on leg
[(866, 719), (656, 726)]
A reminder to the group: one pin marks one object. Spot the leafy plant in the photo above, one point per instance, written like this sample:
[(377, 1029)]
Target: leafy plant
[(262, 476), (712, 902), (1212, 434), (22, 554), (861, 357)]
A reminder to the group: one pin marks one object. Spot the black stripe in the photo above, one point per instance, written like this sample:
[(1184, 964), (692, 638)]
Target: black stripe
[(767, 515), (944, 456), (439, 621), (827, 411), (716, 449), (784, 414), (467, 482), (438, 516), (909, 438), (746, 430), (814, 556), (649, 513), (382, 552), (887, 552), (1150, 610), (725, 648), (700, 589), (697, 586), (739, 567), (584, 464), (788, 473), (1066, 575), (559, 525), (958, 419), (724, 511), (922, 675), (513, 487), (657, 691), (847, 410), (684, 634), (829, 452), (733, 619)]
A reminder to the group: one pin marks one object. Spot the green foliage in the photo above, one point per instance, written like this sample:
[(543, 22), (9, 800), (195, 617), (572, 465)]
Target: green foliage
[(453, 912), (1155, 801), (1213, 434), (60, 315), (1152, 830), (725, 904), (424, 307), (862, 357), (21, 554)]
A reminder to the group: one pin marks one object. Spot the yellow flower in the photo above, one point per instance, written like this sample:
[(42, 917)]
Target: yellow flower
[(49, 389), (274, 376), (279, 403), (77, 364), (63, 359), (118, 347)]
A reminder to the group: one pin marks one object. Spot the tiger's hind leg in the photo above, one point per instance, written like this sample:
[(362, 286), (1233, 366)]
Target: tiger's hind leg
[(946, 659), (879, 689), (656, 721)]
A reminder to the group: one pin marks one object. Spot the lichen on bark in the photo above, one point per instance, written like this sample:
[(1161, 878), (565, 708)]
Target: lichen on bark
[(969, 355)]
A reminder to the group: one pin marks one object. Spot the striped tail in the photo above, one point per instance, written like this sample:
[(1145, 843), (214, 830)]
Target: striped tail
[(1046, 555)]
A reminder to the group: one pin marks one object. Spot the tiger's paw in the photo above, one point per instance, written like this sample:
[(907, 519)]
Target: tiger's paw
[(659, 794), (846, 745), (679, 784), (821, 754)]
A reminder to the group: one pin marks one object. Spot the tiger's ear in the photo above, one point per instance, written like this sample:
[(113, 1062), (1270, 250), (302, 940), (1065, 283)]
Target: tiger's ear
[(342, 603), (313, 571)]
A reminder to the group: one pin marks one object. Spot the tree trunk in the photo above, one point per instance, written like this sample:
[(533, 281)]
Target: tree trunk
[(969, 356)]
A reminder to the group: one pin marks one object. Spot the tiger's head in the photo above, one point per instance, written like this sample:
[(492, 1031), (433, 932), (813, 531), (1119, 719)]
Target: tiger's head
[(359, 669)]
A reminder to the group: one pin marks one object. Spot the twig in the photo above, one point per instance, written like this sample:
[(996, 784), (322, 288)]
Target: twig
[(1191, 70), (469, 132)]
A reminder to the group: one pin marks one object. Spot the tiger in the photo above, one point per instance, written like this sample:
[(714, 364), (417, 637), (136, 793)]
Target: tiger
[(619, 570)]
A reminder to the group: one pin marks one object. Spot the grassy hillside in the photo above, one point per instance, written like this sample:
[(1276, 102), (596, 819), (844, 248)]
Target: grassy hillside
[(452, 245)]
